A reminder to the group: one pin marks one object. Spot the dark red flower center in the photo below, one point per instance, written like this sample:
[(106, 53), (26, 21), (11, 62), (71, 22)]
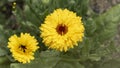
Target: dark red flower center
[(62, 29), (23, 48)]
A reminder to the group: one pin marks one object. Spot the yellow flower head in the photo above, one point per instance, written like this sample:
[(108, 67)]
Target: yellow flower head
[(22, 47), (62, 29)]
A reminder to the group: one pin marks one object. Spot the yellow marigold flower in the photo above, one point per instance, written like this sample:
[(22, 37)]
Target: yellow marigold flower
[(23, 47), (62, 30)]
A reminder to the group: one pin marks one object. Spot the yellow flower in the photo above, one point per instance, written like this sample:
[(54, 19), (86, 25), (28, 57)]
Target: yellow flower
[(23, 47), (62, 30)]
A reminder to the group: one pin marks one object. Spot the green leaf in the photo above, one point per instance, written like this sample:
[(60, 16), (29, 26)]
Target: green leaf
[(90, 27), (2, 19), (68, 64), (2, 52), (11, 0), (106, 24), (113, 14), (1, 27), (4, 62), (48, 53), (111, 64), (3, 59), (45, 1), (4, 66), (94, 57), (42, 62), (85, 51)]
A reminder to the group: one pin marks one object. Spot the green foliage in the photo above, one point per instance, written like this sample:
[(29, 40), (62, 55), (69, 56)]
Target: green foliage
[(110, 64), (95, 51)]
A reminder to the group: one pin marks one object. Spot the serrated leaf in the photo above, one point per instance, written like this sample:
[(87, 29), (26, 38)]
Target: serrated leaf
[(107, 23), (113, 14)]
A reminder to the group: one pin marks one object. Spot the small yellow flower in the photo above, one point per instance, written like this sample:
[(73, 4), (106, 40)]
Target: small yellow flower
[(14, 6), (23, 47), (62, 30)]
